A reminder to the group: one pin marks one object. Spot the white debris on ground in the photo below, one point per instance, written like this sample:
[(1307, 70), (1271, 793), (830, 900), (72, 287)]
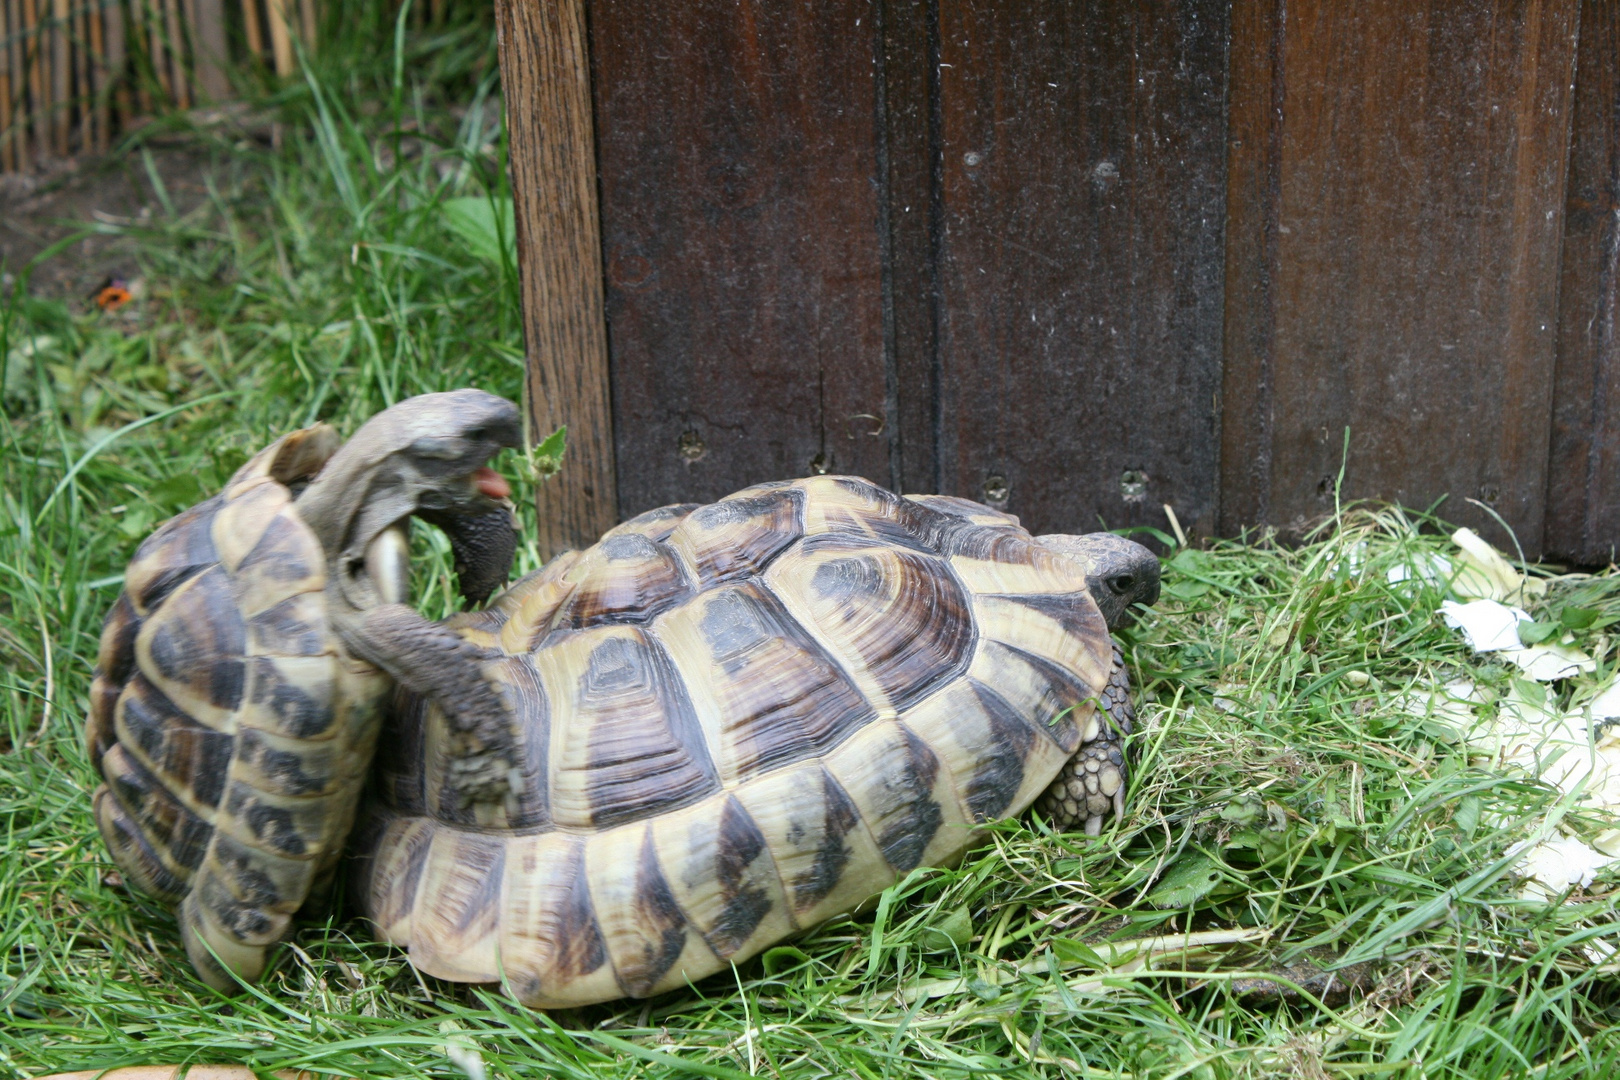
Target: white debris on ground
[(1574, 749)]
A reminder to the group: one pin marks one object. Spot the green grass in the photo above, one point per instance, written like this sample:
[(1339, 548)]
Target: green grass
[(1286, 809)]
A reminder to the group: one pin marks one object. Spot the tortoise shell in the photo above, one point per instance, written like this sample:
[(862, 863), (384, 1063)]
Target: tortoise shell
[(736, 720), (230, 729)]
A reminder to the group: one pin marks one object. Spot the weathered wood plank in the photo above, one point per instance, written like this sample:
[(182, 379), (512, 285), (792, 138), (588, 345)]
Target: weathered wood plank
[(1583, 476), (909, 83), (276, 14), (1420, 180), (210, 56), (546, 74), (1080, 258), (8, 137), (1254, 146), (741, 212)]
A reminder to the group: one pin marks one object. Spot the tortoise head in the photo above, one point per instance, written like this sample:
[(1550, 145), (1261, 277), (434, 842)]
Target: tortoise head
[(426, 456), (1120, 573)]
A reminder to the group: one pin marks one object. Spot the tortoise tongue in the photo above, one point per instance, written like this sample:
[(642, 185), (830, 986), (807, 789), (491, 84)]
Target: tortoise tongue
[(491, 483)]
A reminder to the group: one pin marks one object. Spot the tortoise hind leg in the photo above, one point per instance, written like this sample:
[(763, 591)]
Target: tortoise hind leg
[(1093, 781)]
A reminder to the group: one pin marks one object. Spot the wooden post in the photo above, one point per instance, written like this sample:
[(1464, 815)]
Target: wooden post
[(61, 116), (99, 79), (250, 28), (208, 52), (545, 70), (177, 54), (280, 36), (8, 155)]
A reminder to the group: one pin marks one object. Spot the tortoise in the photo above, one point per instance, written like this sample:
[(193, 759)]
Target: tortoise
[(232, 712), (717, 726)]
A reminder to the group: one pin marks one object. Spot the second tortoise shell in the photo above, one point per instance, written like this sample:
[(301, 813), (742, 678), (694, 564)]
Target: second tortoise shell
[(736, 721)]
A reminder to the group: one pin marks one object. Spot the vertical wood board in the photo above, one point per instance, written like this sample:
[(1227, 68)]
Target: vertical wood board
[(739, 176), (1419, 201), (1080, 258), (1254, 137), (909, 85), (1583, 476), (546, 72)]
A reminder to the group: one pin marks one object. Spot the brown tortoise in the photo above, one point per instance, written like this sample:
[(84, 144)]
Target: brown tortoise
[(720, 725), (231, 716)]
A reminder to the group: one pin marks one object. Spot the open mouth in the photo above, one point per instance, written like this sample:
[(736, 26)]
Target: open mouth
[(491, 484)]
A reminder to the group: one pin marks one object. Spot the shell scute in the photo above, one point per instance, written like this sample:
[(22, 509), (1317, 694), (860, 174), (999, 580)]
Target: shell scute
[(191, 649), (256, 876), (551, 944), (739, 536), (646, 934), (179, 550), (190, 758), (655, 525), (625, 741), (905, 798), (457, 912), (996, 758), (766, 692), (899, 617), (243, 519), (623, 579), (720, 868), (286, 560), (132, 852), (294, 627), (177, 838), (288, 766), (291, 696), (827, 859)]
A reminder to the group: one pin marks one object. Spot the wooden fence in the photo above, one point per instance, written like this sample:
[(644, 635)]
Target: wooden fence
[(1078, 259), (73, 73)]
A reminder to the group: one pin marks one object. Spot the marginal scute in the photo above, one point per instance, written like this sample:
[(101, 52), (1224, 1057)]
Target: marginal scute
[(391, 854), (1055, 702), (1066, 633), (176, 837), (551, 945), (456, 919), (291, 696), (190, 758), (643, 928), (130, 849), (905, 798), (827, 859), (996, 757), (720, 869)]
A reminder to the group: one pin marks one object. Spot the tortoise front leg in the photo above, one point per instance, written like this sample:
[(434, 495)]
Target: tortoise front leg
[(1093, 781), (430, 659)]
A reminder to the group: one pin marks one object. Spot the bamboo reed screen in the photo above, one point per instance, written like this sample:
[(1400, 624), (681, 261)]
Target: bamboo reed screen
[(72, 72)]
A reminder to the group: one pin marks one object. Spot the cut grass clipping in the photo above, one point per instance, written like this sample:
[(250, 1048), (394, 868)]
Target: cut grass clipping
[(1312, 879)]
